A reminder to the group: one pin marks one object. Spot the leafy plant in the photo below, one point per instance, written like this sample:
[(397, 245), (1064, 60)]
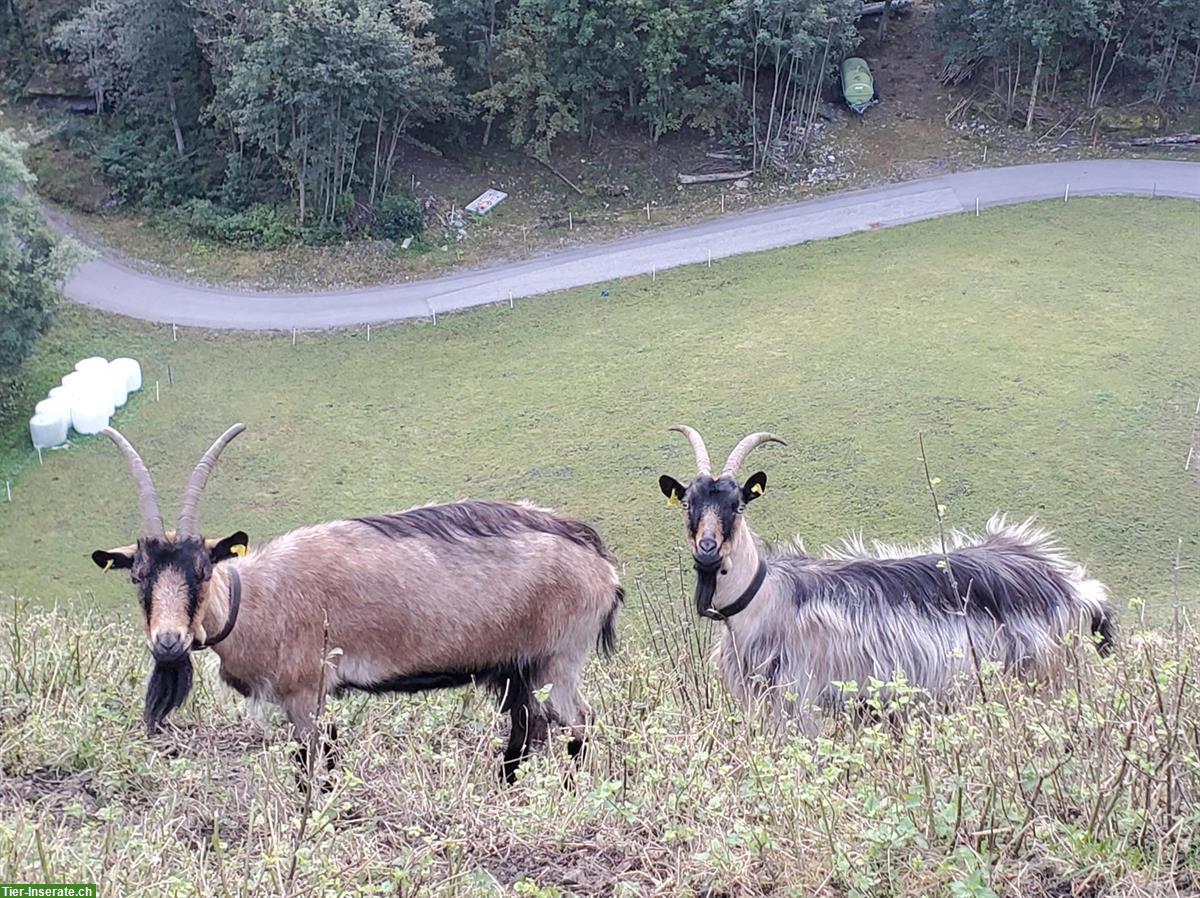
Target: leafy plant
[(260, 226), (400, 216)]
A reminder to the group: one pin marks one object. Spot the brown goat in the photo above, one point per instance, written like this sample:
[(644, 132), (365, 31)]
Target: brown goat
[(508, 596)]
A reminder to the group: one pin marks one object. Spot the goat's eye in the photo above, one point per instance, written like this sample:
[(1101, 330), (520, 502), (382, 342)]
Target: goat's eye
[(741, 509), (684, 502)]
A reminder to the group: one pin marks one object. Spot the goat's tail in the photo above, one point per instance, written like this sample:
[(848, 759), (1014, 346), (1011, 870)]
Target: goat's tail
[(606, 639), (1104, 632), (1093, 596)]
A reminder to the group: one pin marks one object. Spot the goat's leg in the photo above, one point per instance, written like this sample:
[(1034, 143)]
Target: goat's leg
[(301, 709), (565, 705), (523, 721)]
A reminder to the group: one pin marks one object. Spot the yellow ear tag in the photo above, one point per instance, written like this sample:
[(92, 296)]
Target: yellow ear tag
[(238, 550), (107, 566), (673, 500), (757, 489)]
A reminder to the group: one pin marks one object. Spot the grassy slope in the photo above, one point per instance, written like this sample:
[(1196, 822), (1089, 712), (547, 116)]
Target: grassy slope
[(1047, 352), (1091, 792)]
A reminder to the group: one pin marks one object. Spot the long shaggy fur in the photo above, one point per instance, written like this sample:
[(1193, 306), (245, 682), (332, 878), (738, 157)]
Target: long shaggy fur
[(874, 611)]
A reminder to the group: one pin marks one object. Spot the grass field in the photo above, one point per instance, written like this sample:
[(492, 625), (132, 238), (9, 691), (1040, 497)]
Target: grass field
[(1047, 352)]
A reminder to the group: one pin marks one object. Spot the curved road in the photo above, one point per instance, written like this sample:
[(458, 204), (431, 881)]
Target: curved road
[(113, 287)]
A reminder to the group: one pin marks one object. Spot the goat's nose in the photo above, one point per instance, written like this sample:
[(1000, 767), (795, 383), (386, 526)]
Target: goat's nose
[(168, 647), (707, 545)]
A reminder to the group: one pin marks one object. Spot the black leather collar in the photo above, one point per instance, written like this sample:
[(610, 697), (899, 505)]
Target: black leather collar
[(235, 604), (740, 604)]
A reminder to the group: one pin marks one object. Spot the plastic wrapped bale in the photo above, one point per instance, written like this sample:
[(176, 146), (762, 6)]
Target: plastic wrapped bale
[(93, 365), (57, 408), (132, 372), (96, 381), (74, 383), (116, 384), (91, 410), (54, 405), (47, 429), (63, 395)]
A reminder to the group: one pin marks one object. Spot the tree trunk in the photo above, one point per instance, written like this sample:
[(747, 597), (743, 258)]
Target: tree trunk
[(1057, 72), (375, 158), (1014, 83), (303, 174), (1094, 96), (397, 130), (883, 20), (1165, 83), (774, 92), (754, 162), (175, 120), (303, 171), (816, 94), (1033, 91)]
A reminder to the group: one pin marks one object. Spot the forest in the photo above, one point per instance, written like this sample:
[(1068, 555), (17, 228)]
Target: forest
[(285, 117)]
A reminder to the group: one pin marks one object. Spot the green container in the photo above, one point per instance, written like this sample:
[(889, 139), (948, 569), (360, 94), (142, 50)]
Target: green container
[(858, 87)]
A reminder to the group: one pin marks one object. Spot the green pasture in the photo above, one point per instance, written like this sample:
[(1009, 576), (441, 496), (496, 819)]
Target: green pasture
[(1048, 353)]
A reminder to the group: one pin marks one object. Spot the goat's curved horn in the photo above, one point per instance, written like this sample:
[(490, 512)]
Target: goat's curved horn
[(742, 449), (703, 465), (195, 485), (152, 521)]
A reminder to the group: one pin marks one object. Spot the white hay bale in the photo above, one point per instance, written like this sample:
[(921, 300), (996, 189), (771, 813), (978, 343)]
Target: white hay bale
[(54, 405), (75, 382), (56, 408), (93, 365), (47, 429), (132, 371), (91, 410), (116, 384), (96, 381)]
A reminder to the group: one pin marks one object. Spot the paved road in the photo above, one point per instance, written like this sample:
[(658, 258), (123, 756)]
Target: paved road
[(109, 285)]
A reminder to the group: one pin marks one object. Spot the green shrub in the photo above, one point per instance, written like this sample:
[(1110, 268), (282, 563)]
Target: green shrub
[(144, 167), (322, 233), (248, 181), (260, 226), (400, 216), (33, 263)]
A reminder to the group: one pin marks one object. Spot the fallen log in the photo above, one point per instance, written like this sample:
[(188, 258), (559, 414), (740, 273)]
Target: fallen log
[(715, 176), (1166, 141), (876, 9), (564, 178), (954, 73)]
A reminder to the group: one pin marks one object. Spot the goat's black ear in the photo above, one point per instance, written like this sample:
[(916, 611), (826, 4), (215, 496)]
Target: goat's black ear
[(754, 487), (107, 559), (230, 547), (671, 488)]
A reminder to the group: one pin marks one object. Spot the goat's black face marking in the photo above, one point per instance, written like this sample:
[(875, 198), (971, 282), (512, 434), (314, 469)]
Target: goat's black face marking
[(192, 560), (169, 576), (188, 560), (711, 508)]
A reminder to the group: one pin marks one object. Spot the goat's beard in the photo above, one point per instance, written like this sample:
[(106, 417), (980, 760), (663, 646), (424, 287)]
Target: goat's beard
[(168, 688), (706, 589)]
